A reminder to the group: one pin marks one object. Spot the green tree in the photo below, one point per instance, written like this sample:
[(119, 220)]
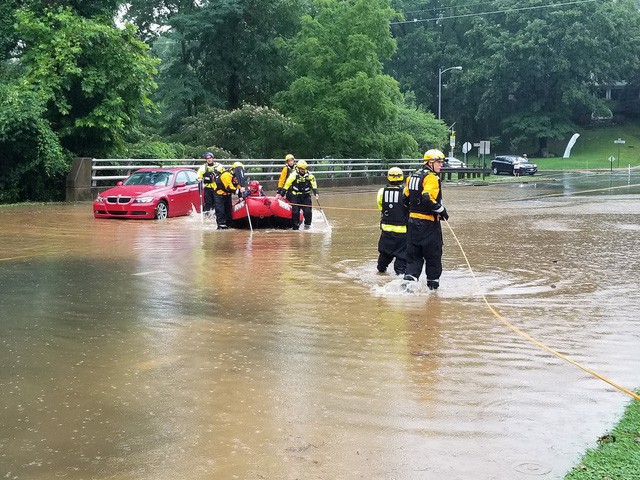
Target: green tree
[(246, 132), (223, 54), (95, 78), (70, 85), (8, 38), (339, 93), (529, 73), (32, 162)]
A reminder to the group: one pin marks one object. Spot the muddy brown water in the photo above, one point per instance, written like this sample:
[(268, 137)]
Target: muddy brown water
[(165, 350)]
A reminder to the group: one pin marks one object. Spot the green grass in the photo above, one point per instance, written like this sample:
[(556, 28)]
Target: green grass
[(593, 149), (617, 456)]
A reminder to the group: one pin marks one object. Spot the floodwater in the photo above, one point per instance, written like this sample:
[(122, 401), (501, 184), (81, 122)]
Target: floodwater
[(169, 350)]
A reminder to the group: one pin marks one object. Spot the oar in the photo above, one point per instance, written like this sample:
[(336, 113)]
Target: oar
[(322, 212), (201, 195), (246, 205)]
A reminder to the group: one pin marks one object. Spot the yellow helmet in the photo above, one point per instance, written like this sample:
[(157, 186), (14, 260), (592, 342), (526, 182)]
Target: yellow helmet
[(302, 165), (289, 157), (237, 164), (433, 155), (395, 174)]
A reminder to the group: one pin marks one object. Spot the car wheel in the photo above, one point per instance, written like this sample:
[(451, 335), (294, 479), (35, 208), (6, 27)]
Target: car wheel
[(162, 211), (495, 170)]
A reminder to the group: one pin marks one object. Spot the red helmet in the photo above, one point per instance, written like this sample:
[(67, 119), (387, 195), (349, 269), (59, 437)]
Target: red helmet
[(254, 186)]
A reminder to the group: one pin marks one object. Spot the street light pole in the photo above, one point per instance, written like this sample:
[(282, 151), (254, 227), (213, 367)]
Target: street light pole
[(440, 72)]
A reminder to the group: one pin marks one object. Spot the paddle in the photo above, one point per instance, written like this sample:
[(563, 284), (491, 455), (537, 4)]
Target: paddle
[(322, 212), (201, 195), (246, 205)]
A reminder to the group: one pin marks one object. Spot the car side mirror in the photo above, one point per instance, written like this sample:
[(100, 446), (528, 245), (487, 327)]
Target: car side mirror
[(180, 185), (119, 183)]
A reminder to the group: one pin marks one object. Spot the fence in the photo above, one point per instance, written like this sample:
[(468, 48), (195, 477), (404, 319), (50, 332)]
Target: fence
[(89, 176)]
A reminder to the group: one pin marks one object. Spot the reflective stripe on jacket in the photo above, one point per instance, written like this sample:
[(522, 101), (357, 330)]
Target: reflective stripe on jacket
[(301, 184), (424, 192), (394, 213)]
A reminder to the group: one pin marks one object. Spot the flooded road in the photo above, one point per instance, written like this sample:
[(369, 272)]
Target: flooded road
[(165, 350)]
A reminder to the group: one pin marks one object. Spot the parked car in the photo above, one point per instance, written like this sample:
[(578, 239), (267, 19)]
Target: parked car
[(505, 163), (151, 193), (453, 162)]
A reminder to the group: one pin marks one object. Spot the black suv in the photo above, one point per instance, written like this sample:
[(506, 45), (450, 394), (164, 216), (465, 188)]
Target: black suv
[(505, 163)]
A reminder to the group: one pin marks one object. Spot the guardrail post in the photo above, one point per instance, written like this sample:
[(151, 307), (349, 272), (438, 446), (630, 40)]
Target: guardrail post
[(78, 185)]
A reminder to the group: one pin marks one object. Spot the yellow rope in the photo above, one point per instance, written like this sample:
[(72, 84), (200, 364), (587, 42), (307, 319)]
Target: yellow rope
[(529, 337)]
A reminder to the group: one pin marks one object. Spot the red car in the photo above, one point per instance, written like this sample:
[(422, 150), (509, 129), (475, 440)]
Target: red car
[(151, 193)]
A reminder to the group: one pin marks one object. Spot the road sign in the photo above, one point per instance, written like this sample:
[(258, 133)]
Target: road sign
[(466, 147), (485, 147), (619, 141), (612, 159), (452, 139)]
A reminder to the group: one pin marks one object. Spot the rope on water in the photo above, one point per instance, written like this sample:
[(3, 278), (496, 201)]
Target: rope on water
[(529, 337)]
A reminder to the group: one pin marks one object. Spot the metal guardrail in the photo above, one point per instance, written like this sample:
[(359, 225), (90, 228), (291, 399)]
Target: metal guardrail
[(89, 176), (106, 170)]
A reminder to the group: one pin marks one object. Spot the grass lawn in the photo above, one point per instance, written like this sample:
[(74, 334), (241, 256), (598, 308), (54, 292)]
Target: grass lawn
[(617, 456), (593, 149)]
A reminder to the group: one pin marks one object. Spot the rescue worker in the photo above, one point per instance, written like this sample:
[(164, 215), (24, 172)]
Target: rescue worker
[(284, 175), (300, 184), (240, 177), (423, 195), (226, 186), (393, 223), (206, 174)]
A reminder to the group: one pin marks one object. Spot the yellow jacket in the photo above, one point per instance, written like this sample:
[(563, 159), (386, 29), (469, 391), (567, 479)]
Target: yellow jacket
[(226, 184), (284, 174), (430, 186)]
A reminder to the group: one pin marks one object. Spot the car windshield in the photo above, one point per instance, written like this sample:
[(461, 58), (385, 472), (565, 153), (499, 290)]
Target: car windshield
[(159, 179)]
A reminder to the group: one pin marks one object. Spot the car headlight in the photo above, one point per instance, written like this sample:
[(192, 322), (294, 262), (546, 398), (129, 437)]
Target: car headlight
[(143, 200), (100, 199)]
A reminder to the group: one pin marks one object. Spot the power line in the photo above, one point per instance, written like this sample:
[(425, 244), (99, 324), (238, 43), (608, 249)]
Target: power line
[(449, 7), (465, 15)]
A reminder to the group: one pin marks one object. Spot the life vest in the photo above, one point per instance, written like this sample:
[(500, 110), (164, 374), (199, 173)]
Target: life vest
[(301, 184), (208, 178), (221, 188), (393, 209), (420, 202)]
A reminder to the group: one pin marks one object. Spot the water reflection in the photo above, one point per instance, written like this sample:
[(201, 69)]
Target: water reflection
[(162, 350)]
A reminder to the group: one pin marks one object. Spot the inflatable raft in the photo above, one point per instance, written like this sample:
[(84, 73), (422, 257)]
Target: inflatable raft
[(265, 212)]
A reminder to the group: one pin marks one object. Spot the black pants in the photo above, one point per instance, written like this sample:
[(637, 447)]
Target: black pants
[(223, 209), (424, 247), (208, 199), (392, 245), (304, 199)]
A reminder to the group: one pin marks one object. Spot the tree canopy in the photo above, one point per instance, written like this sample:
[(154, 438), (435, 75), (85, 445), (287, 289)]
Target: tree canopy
[(339, 92), (340, 78), (73, 86), (527, 72)]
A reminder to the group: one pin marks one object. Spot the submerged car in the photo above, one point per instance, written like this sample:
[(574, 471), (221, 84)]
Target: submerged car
[(505, 164), (151, 193), (453, 162)]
